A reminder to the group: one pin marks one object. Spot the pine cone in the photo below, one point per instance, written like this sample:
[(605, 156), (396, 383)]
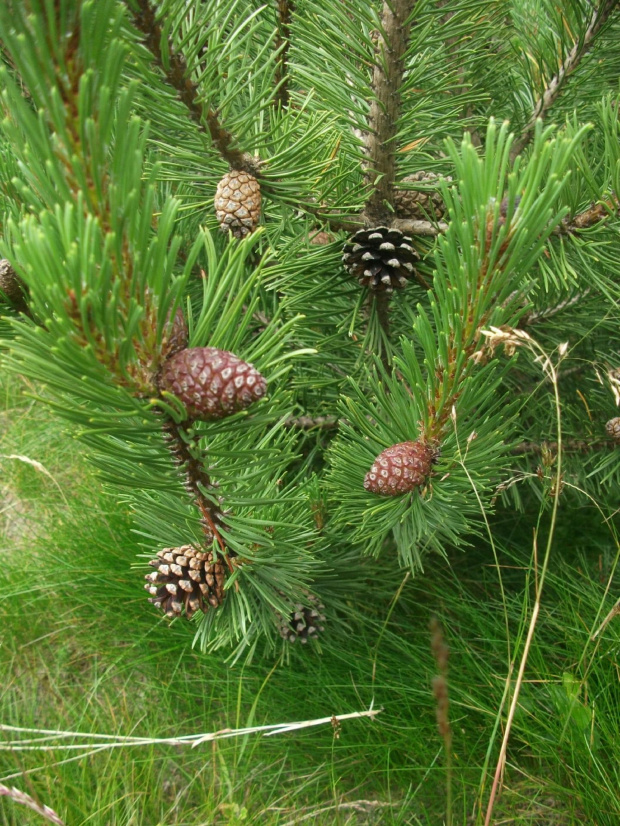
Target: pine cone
[(11, 286), (613, 429), (400, 468), (421, 205), (380, 258), (185, 578), (211, 383), (304, 621), (237, 203)]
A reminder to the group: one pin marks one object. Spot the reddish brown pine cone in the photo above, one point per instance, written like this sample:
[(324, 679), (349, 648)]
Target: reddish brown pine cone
[(400, 468), (237, 203), (212, 383), (613, 429)]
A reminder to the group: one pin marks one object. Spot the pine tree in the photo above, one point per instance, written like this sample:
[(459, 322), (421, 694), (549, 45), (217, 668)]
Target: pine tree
[(304, 278)]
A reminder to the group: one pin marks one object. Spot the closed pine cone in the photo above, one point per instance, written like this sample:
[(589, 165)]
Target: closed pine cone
[(237, 203), (418, 204), (211, 383), (613, 429), (400, 468)]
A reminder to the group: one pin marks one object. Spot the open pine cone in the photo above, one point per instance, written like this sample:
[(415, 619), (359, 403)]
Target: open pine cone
[(305, 622), (185, 579), (380, 258)]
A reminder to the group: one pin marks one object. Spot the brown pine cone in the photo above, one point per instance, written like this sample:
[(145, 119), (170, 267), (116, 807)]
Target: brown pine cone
[(11, 286), (418, 204), (400, 468), (613, 429), (237, 203), (211, 383), (185, 579)]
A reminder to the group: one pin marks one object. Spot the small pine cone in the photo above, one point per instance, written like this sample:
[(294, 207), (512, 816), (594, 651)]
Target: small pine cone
[(237, 203), (421, 205), (321, 238), (211, 383), (613, 429), (11, 285), (175, 337), (400, 468), (380, 258), (185, 578), (305, 622)]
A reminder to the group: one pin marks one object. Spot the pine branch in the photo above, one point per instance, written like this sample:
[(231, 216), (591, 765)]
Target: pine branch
[(177, 75), (380, 143), (556, 84), (536, 316), (285, 10), (592, 215), (196, 479), (571, 445)]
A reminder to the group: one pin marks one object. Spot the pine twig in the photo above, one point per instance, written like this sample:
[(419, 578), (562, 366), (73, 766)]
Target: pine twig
[(285, 10), (569, 446), (536, 316), (313, 422), (196, 478), (380, 143), (177, 75), (555, 85)]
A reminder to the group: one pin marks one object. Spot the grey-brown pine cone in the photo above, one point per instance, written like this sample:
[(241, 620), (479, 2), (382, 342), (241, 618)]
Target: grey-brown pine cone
[(305, 622), (186, 580), (211, 383), (420, 204), (237, 203)]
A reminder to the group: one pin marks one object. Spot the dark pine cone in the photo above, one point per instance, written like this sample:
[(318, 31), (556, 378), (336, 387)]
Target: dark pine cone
[(400, 468), (212, 383), (380, 258), (185, 578), (305, 622)]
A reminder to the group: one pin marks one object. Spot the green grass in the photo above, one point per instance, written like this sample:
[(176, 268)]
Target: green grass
[(82, 650)]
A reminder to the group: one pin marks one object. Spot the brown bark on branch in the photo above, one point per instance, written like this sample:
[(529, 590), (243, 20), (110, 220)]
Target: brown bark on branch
[(572, 61), (177, 75), (285, 10), (380, 143)]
